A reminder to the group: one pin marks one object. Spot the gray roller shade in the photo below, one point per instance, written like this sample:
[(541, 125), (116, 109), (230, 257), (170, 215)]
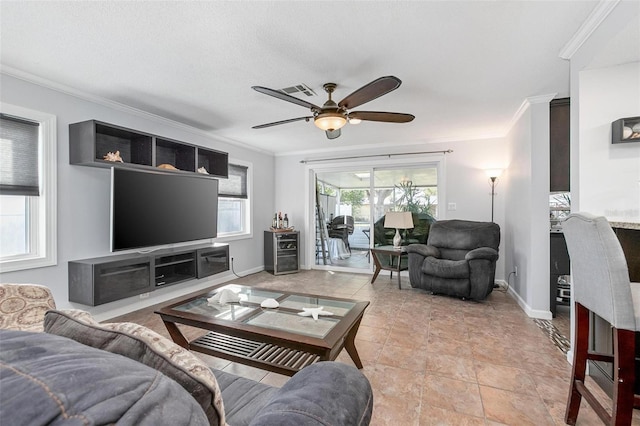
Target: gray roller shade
[(18, 156), (236, 185)]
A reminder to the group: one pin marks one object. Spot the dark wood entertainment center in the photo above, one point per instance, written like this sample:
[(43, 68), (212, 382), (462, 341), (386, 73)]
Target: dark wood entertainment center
[(106, 279)]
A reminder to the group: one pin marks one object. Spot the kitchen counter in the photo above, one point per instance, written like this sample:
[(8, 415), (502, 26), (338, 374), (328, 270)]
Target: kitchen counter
[(625, 225)]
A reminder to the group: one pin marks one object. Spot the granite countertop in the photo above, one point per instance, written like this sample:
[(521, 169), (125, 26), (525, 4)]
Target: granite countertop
[(625, 225)]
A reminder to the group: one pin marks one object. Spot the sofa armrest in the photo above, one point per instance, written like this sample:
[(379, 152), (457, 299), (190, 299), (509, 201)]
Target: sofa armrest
[(423, 250), (325, 393), (486, 253)]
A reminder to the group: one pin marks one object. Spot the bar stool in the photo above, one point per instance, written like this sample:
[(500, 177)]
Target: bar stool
[(600, 284)]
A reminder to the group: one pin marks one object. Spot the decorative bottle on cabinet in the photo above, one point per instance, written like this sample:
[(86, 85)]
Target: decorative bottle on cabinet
[(281, 254)]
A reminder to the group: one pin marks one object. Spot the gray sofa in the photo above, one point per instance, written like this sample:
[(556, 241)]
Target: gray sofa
[(51, 379), (458, 260)]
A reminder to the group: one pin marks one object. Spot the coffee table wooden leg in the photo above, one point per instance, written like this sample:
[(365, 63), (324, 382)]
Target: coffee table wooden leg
[(350, 344), (176, 334)]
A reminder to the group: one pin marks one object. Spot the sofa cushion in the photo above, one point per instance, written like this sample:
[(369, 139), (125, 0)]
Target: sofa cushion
[(324, 393), (445, 268), (244, 398), (47, 379), (146, 346)]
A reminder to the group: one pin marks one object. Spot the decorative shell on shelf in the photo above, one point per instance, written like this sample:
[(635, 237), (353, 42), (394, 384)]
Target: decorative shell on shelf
[(636, 127), (203, 171), (167, 167), (626, 132), (113, 157)]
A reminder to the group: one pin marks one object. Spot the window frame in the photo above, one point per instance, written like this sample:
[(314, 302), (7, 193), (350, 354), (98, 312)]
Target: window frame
[(248, 206), (42, 221)]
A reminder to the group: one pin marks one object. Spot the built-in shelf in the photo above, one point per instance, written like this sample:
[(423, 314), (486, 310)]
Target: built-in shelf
[(90, 142), (625, 130)]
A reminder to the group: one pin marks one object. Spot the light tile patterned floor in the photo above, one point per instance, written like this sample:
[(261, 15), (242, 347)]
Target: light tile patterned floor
[(434, 360)]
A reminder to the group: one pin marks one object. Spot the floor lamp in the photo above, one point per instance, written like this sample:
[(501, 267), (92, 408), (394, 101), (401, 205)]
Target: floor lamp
[(493, 174)]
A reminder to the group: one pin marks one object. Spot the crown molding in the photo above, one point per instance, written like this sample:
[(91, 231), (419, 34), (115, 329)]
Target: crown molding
[(80, 94), (525, 105), (593, 21)]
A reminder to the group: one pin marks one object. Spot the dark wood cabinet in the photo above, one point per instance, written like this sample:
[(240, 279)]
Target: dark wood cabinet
[(90, 141), (102, 280), (559, 144), (560, 265)]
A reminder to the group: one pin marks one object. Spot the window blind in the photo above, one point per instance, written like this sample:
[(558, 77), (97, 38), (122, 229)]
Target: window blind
[(18, 156), (236, 185)]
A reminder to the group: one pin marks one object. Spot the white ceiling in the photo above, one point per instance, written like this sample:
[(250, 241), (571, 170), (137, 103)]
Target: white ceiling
[(466, 66)]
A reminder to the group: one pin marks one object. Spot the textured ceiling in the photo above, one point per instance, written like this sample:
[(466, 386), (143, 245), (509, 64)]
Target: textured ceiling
[(466, 66)]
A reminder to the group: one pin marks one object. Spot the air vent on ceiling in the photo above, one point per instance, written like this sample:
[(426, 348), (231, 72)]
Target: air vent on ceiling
[(299, 88)]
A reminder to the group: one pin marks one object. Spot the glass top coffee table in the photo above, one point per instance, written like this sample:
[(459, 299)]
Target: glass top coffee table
[(277, 340)]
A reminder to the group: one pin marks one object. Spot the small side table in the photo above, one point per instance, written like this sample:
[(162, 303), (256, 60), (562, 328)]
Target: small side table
[(389, 259)]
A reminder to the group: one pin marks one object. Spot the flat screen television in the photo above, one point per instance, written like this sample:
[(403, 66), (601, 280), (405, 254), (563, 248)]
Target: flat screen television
[(154, 208)]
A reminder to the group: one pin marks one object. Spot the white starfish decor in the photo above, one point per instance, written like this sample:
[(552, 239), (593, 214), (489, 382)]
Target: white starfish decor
[(314, 312)]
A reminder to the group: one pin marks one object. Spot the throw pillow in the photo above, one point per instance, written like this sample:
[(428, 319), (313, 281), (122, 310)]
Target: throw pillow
[(147, 347)]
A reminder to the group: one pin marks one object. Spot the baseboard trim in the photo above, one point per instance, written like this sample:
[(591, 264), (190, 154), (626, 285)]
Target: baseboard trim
[(532, 313)]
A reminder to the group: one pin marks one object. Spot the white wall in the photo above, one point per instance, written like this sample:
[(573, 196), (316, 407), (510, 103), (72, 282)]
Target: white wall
[(527, 208), (465, 182), (83, 194), (609, 173)]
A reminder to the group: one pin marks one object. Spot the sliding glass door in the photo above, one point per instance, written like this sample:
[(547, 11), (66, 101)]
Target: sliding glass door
[(351, 205), (342, 218), (411, 189)]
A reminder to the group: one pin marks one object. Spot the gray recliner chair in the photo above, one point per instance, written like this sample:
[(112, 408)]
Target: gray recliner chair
[(459, 259)]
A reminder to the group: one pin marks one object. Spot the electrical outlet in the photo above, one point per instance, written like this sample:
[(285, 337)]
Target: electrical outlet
[(451, 206), (144, 295), (516, 268)]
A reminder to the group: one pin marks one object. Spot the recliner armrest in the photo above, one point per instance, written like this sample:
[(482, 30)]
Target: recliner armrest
[(424, 250), (325, 393), (486, 253)]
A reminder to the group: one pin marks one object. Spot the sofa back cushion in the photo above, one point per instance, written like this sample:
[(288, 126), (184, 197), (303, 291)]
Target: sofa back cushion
[(147, 347), (455, 237), (48, 379)]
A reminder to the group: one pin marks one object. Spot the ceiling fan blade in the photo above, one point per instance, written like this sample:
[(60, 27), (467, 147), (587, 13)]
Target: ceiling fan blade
[(275, 123), (333, 134), (387, 117), (280, 95), (371, 91)]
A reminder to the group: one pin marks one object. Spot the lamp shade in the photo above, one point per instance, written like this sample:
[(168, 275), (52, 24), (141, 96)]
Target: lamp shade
[(398, 220)]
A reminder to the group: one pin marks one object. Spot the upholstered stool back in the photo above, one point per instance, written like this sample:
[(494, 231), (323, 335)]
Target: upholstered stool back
[(600, 277), (601, 285)]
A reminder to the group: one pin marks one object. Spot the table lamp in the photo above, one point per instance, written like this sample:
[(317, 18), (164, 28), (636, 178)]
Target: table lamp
[(398, 220)]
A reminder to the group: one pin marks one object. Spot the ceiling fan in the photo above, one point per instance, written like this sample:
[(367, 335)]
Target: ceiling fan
[(330, 117)]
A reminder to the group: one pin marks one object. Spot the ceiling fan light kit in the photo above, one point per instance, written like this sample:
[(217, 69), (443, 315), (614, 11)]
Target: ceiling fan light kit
[(331, 117), (330, 120)]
